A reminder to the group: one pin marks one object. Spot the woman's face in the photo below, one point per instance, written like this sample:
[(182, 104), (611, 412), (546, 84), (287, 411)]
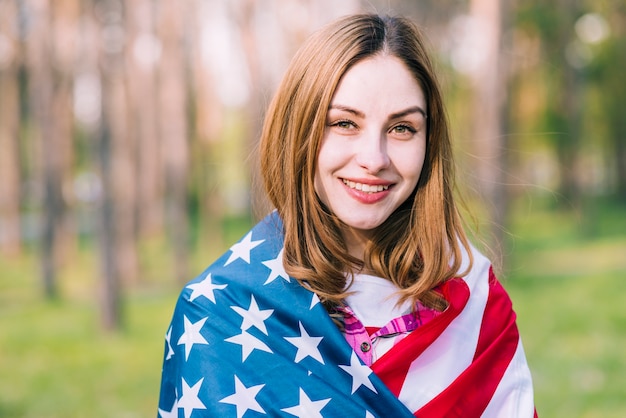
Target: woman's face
[(373, 147)]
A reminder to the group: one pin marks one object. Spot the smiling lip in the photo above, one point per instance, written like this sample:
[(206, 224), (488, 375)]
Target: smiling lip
[(367, 191), (369, 187)]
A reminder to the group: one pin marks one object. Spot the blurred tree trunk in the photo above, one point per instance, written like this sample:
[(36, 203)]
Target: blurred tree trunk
[(489, 81), (65, 17), (113, 150), (10, 220), (144, 50), (111, 304), (172, 111), (615, 108), (245, 17), (123, 163), (610, 78), (208, 125), (41, 90), (50, 54), (567, 105), (119, 145)]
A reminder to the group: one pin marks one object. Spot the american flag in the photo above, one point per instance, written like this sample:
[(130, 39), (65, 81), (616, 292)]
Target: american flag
[(248, 340)]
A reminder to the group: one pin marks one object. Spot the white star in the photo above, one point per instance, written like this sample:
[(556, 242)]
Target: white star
[(242, 249), (368, 414), (314, 301), (360, 374), (277, 268), (190, 401), (306, 407), (170, 350), (244, 398), (307, 345), (253, 317), (192, 335), (205, 288), (173, 413), (248, 344)]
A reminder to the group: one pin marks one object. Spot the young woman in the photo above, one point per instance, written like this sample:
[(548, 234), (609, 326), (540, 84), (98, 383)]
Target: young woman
[(360, 295)]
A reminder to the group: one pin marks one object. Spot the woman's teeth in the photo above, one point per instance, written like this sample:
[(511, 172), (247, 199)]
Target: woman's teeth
[(367, 188)]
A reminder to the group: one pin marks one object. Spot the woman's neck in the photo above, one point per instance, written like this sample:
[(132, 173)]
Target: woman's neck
[(356, 241)]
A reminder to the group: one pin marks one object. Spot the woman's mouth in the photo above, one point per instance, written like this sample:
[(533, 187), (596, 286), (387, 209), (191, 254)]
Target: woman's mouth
[(366, 188)]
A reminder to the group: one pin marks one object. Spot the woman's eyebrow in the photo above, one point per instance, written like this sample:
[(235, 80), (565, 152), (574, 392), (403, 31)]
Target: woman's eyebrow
[(408, 111), (396, 115), (347, 109)]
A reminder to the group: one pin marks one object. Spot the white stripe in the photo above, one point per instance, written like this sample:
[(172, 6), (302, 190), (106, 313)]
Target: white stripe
[(450, 354), (514, 396)]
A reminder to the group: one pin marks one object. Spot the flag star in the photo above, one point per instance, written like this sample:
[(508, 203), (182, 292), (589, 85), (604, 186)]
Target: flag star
[(173, 413), (314, 301), (307, 407), (253, 317), (242, 249), (244, 398), (368, 414), (190, 400), (360, 374), (248, 344), (170, 350), (277, 268), (192, 335), (307, 346), (205, 288)]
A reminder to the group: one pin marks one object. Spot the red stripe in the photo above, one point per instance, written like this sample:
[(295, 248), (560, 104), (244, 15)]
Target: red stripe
[(394, 365), (471, 392), (372, 330)]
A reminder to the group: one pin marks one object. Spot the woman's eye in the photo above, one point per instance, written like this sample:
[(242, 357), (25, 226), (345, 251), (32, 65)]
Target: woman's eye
[(403, 130), (344, 124)]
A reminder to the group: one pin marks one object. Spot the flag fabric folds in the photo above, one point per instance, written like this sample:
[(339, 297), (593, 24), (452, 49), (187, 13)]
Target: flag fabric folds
[(248, 340)]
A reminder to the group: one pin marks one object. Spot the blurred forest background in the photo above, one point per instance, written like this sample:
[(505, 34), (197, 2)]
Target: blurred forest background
[(127, 139)]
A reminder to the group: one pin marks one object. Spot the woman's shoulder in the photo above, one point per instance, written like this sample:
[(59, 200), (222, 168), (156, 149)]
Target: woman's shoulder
[(266, 236), (252, 264), (476, 266), (471, 254)]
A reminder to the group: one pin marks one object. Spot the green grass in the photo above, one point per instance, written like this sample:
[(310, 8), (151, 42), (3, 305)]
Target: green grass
[(55, 361), (566, 274), (568, 289), (60, 365)]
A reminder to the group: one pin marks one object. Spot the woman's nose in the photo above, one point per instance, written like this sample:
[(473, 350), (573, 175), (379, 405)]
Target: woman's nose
[(371, 153)]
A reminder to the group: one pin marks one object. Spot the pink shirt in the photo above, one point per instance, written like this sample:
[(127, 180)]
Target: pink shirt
[(371, 347)]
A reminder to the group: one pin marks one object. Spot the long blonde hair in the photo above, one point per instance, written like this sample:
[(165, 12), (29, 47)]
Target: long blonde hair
[(419, 246)]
